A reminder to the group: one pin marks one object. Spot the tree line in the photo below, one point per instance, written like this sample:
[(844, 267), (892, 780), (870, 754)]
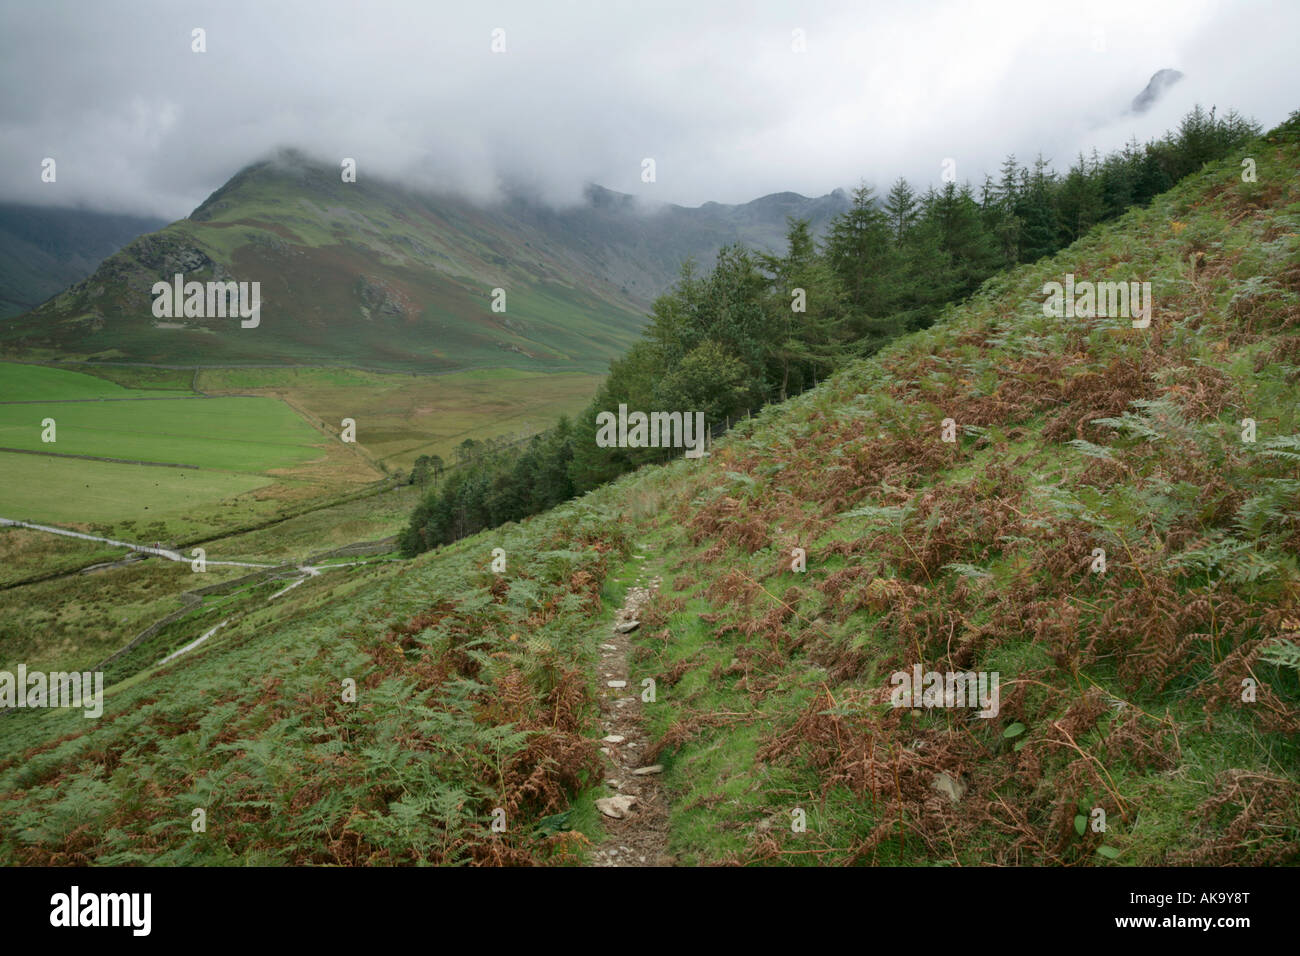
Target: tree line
[(758, 327)]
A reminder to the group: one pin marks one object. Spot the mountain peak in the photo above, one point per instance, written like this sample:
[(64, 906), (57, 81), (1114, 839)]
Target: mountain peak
[(1160, 81)]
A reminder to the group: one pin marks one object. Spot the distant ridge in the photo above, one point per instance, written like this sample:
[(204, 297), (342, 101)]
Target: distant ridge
[(376, 274), (1160, 81)]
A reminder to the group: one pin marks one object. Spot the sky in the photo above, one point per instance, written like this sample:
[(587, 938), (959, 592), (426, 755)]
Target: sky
[(718, 94)]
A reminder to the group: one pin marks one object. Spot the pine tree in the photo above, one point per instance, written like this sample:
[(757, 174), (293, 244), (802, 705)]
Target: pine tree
[(861, 255), (961, 233), (1038, 233), (1079, 201), (808, 341), (902, 209)]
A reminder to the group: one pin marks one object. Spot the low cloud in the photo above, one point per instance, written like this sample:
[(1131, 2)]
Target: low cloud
[(584, 91)]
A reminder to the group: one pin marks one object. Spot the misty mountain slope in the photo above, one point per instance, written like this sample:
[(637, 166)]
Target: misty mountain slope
[(640, 246), (1121, 690), (43, 250), (372, 274)]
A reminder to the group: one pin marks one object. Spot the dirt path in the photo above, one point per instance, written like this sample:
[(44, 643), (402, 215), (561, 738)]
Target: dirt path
[(161, 552), (635, 811), (298, 573)]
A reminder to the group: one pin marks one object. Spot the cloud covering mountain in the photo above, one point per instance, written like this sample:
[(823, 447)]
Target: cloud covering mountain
[(583, 92)]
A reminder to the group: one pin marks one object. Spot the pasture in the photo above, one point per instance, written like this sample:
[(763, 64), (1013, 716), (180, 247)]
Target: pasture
[(36, 383), (230, 434), (400, 417), (249, 456), (261, 442)]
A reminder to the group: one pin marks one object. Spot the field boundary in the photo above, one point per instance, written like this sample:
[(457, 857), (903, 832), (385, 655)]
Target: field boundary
[(79, 401), (113, 461)]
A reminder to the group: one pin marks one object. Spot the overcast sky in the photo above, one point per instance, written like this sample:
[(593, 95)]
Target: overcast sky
[(713, 92)]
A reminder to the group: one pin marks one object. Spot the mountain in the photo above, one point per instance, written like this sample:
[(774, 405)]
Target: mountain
[(390, 713), (1160, 81), (374, 274), (641, 246), (43, 250)]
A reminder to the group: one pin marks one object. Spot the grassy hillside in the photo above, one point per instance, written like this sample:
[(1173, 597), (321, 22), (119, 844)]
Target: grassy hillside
[(351, 273), (1120, 691), (370, 274)]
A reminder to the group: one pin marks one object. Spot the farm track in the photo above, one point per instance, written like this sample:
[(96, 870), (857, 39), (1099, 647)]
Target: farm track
[(193, 600), (378, 488), (144, 549)]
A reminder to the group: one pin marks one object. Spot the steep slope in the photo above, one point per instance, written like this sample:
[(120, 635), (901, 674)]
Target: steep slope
[(1142, 692), (1140, 695), (43, 250), (373, 274)]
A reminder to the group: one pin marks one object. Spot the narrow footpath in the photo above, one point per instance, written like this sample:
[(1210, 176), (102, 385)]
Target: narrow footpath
[(636, 811)]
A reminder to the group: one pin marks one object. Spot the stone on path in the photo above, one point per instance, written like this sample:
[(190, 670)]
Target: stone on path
[(653, 768), (616, 807)]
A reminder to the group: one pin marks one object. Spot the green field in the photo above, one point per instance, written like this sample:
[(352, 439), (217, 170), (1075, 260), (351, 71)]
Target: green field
[(257, 438), (252, 456), (232, 434), (38, 383), (73, 491)]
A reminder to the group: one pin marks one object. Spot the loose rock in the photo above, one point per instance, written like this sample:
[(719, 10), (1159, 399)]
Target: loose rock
[(616, 807), (951, 787)]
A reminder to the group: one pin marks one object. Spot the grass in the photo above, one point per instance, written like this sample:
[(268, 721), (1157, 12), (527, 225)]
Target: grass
[(28, 554), (219, 705), (254, 457), (76, 493), (37, 383), (365, 519), (231, 434), (163, 380), (74, 622), (976, 558), (400, 417)]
